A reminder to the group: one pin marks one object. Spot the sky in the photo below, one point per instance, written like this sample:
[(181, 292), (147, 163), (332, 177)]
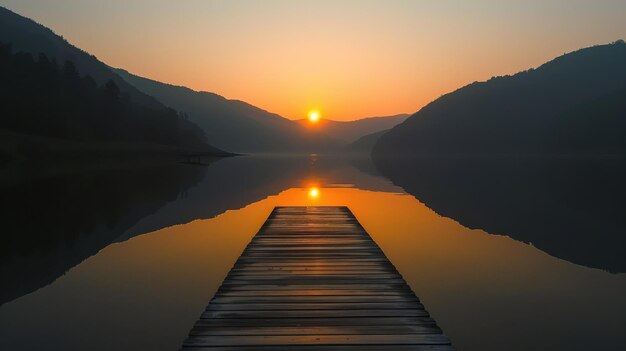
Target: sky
[(347, 59)]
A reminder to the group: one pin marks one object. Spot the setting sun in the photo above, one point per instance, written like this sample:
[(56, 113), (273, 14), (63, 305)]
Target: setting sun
[(314, 116), (314, 193)]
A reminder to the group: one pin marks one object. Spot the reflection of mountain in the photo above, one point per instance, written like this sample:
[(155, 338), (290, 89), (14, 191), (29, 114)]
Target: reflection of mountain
[(571, 209), (53, 224), (228, 184), (236, 182)]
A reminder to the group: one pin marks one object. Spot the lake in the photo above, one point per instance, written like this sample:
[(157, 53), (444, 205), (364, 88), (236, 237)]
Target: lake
[(505, 254)]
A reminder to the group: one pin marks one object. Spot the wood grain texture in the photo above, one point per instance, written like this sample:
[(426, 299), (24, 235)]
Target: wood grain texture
[(313, 279)]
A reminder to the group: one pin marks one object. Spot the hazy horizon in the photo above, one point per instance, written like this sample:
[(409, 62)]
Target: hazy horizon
[(348, 60)]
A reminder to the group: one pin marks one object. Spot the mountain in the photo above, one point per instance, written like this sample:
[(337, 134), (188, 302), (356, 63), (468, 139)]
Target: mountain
[(350, 131), (365, 144), (602, 119), (44, 103), (25, 35), (497, 155), (57, 101), (562, 107), (234, 125)]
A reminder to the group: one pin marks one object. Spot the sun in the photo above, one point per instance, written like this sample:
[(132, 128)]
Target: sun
[(314, 193), (314, 116)]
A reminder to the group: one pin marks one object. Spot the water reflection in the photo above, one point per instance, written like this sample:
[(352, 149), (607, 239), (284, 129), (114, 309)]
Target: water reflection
[(52, 223), (146, 292), (314, 193), (571, 208)]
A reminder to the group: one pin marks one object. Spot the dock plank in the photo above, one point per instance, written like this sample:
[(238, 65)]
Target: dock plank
[(313, 279)]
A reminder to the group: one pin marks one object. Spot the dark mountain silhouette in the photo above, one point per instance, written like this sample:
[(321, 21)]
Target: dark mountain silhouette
[(568, 105), (596, 126), (365, 144), (350, 131), (537, 156), (25, 35), (234, 125), (571, 208), (41, 97)]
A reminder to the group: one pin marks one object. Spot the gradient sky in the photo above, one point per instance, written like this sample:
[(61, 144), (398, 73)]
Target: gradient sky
[(347, 59)]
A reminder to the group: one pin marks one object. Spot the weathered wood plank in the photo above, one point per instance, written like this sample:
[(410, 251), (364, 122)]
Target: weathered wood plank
[(311, 275), (335, 306), (309, 271), (314, 314), (296, 263), (316, 322), (313, 279), (363, 339), (314, 292), (371, 288), (312, 298), (327, 348), (336, 330)]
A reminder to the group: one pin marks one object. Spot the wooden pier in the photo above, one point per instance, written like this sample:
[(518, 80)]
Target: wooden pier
[(313, 279)]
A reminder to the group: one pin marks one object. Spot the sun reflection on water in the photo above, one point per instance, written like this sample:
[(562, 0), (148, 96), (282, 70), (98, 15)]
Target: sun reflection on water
[(314, 193)]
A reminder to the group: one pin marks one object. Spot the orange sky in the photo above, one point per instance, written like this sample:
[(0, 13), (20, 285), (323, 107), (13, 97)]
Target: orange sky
[(348, 59)]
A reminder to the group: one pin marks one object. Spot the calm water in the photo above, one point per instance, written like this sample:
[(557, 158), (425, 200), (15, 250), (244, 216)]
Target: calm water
[(127, 258)]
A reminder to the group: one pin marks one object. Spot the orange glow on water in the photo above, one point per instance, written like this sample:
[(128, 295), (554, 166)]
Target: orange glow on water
[(458, 272)]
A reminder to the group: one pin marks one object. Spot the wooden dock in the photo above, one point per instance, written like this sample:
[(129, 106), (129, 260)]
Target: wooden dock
[(313, 279)]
